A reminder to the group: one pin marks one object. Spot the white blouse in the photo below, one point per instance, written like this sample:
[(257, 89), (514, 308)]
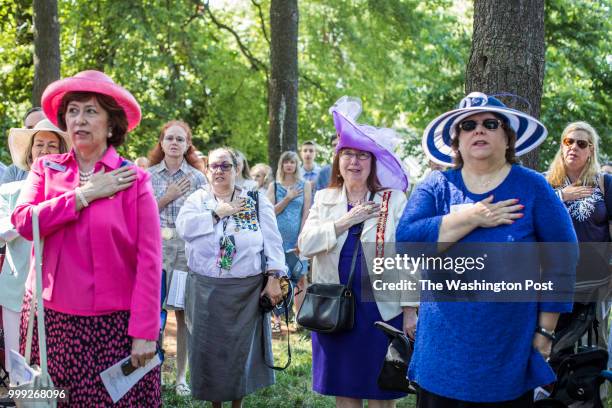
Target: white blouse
[(202, 237)]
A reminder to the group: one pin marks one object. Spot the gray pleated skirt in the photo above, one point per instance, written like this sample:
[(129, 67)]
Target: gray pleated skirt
[(226, 351)]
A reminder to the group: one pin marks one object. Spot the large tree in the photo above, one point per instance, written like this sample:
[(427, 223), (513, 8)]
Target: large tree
[(283, 82), (508, 54), (46, 47)]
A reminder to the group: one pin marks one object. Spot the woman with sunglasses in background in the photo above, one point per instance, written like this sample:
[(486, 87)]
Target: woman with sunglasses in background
[(486, 353), (577, 178)]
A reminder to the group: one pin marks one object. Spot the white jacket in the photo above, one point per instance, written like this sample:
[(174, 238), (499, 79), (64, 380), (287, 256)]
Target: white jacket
[(318, 240)]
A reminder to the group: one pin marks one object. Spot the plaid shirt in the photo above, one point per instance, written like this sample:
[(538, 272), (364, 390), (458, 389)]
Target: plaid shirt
[(161, 178)]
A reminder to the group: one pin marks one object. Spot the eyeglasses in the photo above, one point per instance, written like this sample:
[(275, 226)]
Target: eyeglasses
[(349, 155), (583, 144), (490, 124), (179, 139), (223, 167)]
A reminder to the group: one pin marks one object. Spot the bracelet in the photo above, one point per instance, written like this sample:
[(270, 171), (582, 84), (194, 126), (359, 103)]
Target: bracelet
[(273, 274), (548, 334), (560, 194), (81, 197)]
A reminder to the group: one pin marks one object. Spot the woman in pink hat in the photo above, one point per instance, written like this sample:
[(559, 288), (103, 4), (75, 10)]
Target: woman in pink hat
[(102, 244), (355, 218)]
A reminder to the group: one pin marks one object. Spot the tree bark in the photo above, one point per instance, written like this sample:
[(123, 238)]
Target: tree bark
[(508, 55), (283, 83), (46, 47)]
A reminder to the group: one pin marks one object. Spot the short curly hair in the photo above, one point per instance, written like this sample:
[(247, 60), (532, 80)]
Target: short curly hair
[(117, 119)]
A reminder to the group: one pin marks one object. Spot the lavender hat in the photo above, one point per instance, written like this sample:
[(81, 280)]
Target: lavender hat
[(381, 142)]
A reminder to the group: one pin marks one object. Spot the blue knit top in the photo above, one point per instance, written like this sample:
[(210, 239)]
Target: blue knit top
[(478, 351)]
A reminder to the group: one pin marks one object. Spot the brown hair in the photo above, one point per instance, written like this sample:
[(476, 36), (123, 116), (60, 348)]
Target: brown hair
[(62, 147), (510, 137), (336, 180), (156, 155), (117, 119)]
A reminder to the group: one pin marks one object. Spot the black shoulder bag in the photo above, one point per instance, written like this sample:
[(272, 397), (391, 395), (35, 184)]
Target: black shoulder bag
[(330, 307), (264, 302)]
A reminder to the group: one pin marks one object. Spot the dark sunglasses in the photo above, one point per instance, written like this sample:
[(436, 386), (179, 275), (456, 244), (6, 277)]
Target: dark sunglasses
[(490, 124), (583, 144)]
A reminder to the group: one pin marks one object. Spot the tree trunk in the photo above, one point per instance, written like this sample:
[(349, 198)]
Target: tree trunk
[(283, 84), (508, 55), (46, 47)]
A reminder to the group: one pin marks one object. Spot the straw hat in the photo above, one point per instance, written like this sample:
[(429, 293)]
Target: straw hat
[(19, 140)]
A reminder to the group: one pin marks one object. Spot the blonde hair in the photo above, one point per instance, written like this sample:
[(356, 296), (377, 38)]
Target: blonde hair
[(588, 177), (267, 170), (287, 156)]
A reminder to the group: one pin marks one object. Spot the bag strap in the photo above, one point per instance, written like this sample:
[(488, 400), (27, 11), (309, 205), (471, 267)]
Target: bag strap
[(255, 196), (263, 341), (37, 302), (349, 283)]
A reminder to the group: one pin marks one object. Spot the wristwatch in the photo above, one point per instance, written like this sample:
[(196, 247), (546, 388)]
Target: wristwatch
[(274, 274), (548, 334), (215, 216)]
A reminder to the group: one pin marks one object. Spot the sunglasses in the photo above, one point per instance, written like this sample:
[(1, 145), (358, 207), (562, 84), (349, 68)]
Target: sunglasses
[(490, 124), (583, 144), (223, 167)]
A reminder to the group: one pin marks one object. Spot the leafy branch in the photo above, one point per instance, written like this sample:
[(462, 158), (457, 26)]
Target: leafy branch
[(256, 64), (261, 20)]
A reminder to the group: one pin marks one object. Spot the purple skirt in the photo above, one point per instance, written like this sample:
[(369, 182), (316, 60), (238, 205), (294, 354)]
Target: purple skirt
[(79, 348), (347, 364)]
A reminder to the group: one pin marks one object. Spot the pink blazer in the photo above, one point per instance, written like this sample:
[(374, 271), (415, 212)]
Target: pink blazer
[(123, 262)]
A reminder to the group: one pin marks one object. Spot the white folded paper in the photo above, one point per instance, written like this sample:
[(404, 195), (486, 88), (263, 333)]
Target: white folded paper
[(117, 384), (21, 372), (176, 292)]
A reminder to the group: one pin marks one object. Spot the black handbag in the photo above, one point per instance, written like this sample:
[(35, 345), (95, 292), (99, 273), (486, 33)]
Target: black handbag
[(329, 307), (394, 371)]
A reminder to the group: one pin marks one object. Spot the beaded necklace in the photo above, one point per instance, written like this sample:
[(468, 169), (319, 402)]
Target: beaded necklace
[(84, 177)]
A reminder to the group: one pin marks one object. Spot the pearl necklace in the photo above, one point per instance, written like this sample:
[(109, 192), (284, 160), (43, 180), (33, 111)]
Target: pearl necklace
[(84, 177)]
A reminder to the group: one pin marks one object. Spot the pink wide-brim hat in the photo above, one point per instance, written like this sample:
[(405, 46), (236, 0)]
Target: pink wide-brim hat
[(90, 81), (381, 142)]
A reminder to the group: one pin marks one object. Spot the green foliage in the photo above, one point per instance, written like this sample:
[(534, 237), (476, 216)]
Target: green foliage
[(404, 58), (578, 71), (16, 72)]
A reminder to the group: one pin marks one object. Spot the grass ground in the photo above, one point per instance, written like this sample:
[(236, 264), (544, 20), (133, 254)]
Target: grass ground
[(293, 386)]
